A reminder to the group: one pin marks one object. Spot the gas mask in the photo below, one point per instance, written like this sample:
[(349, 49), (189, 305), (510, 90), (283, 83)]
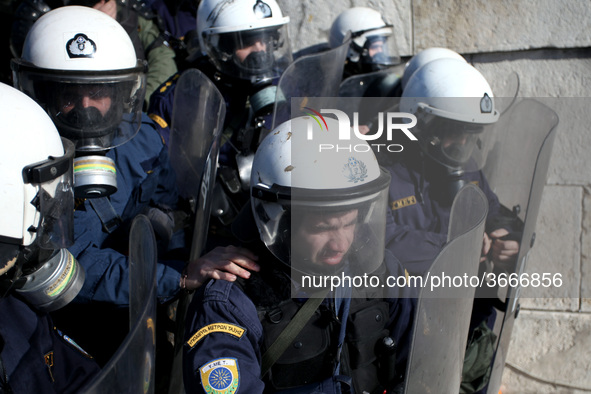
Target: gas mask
[(46, 279), (96, 110)]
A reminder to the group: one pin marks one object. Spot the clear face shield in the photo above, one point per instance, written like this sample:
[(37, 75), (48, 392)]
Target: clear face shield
[(328, 231), (55, 199), (257, 55), (454, 144), (44, 273), (377, 48), (97, 110)]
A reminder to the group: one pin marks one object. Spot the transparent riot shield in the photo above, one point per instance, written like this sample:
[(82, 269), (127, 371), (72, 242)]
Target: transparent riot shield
[(197, 121), (315, 75), (445, 301), (131, 369), (516, 169), (383, 83)]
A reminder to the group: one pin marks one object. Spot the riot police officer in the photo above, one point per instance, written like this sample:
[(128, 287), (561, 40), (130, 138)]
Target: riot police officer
[(456, 112), (37, 273), (244, 47), (373, 45), (80, 65), (316, 215)]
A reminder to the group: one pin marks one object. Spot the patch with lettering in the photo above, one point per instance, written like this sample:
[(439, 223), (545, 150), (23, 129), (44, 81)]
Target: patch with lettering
[(220, 376), (403, 202), (216, 327)]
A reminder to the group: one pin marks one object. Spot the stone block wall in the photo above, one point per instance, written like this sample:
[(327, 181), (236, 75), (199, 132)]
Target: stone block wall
[(548, 43)]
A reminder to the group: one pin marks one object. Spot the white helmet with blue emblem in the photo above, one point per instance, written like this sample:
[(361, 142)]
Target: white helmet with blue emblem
[(306, 180), (245, 39), (73, 52), (37, 203), (373, 45), (454, 106)]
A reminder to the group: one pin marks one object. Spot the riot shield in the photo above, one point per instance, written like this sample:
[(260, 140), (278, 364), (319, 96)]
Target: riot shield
[(131, 369), (198, 116), (315, 75), (516, 169), (381, 83), (444, 306), (507, 91)]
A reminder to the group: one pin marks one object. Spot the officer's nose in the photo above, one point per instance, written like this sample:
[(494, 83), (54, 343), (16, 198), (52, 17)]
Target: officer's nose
[(339, 242), (259, 46), (85, 101)]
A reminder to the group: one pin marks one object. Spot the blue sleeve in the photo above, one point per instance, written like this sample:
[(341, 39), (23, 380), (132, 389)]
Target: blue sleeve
[(107, 277), (415, 248), (160, 107), (144, 178), (223, 337)]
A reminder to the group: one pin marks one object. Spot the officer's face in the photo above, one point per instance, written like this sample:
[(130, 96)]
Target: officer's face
[(324, 239), (375, 48), (85, 96), (454, 138), (252, 46)]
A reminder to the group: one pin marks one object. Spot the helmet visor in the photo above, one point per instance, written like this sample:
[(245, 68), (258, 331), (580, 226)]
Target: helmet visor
[(319, 232), (254, 55), (55, 198), (453, 143), (377, 48), (96, 110)]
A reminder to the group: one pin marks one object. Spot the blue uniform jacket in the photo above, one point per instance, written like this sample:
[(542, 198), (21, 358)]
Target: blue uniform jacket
[(144, 178), (37, 358), (224, 337), (417, 226)]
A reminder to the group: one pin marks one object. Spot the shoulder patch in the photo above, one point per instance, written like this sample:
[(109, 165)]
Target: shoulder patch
[(216, 327), (220, 376), (158, 120), (403, 202)]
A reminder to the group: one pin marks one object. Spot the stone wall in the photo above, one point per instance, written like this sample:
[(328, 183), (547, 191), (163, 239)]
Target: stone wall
[(548, 44)]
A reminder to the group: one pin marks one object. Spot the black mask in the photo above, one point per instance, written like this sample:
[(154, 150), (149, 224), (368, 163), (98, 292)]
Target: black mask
[(257, 61), (85, 118)]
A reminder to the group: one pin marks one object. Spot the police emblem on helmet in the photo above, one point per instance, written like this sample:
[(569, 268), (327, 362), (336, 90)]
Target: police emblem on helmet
[(262, 10), (355, 170), (486, 104), (80, 46)]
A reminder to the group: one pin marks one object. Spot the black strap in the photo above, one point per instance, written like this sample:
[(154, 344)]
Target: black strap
[(289, 333), (106, 213)]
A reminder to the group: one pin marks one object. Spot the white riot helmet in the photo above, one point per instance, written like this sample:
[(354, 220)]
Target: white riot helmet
[(373, 46), (245, 39), (37, 204), (454, 107), (425, 56), (76, 53), (80, 65), (301, 192)]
